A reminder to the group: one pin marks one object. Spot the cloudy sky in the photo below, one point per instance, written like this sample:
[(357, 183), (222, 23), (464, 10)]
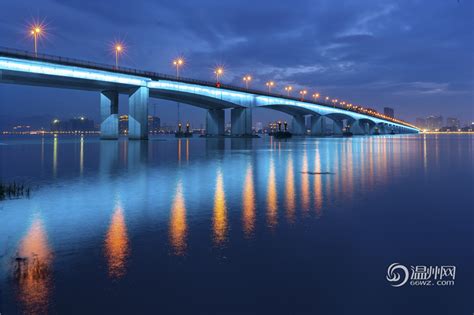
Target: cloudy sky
[(413, 55)]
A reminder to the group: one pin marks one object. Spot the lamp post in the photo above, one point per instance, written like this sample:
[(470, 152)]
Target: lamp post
[(36, 31), (270, 84), (219, 71), (288, 89), (247, 80), (316, 96), (303, 93), (178, 62), (118, 48)]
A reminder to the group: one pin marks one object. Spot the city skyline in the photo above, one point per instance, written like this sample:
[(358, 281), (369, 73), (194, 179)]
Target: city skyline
[(335, 70)]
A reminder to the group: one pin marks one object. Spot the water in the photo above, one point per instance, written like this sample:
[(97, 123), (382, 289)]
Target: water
[(235, 226)]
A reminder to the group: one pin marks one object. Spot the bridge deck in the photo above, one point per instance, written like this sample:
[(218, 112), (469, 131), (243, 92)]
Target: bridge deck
[(21, 54)]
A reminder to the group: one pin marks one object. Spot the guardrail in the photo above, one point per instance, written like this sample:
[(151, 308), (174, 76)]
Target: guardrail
[(15, 53)]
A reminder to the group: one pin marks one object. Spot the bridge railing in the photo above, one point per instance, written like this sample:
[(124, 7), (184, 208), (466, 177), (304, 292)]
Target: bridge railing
[(15, 53)]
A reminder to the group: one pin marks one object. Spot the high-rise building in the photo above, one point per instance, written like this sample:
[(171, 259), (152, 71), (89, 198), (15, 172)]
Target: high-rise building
[(434, 122), (453, 123), (388, 111)]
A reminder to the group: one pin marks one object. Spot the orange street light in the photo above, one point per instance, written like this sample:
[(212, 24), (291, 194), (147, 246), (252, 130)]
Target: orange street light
[(219, 71), (316, 96), (247, 80), (36, 31), (288, 89), (178, 62), (119, 48), (270, 84), (303, 93)]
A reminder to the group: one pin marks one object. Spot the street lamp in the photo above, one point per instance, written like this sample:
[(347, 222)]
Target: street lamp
[(219, 71), (288, 89), (303, 93), (270, 84), (37, 31), (247, 80), (178, 62), (118, 49), (316, 96)]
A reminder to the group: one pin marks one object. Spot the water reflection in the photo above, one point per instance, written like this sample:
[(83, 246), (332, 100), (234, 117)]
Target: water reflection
[(305, 183), (248, 203), (220, 211), (33, 270), (178, 225), (272, 202), (117, 244), (55, 155), (290, 190), (318, 189), (81, 155)]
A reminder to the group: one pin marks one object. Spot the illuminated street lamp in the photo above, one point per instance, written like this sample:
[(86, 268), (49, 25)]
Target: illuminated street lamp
[(303, 93), (219, 71), (118, 49), (36, 31), (316, 96), (247, 80), (178, 62), (270, 84), (288, 89)]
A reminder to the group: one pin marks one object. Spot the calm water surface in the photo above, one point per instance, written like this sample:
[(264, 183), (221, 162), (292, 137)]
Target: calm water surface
[(239, 226)]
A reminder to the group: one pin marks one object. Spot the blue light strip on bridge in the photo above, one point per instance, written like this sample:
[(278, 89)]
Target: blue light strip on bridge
[(39, 67)]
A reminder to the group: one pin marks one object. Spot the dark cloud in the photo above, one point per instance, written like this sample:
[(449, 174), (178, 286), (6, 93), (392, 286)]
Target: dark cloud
[(413, 55)]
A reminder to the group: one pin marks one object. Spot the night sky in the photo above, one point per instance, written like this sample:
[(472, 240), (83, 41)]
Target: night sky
[(415, 56)]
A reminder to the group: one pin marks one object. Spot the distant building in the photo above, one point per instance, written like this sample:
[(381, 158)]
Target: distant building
[(420, 123), (453, 123), (259, 127), (154, 124), (434, 122), (388, 111)]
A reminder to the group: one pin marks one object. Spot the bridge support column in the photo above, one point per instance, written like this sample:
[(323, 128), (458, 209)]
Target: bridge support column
[(318, 125), (109, 115), (241, 121), (298, 125), (215, 122), (337, 127), (357, 129), (138, 114)]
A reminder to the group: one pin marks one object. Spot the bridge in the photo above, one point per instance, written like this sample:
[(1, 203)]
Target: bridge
[(26, 68)]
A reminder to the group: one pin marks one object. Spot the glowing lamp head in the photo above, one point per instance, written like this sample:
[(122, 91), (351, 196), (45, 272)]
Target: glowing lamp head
[(219, 71), (178, 62), (118, 48)]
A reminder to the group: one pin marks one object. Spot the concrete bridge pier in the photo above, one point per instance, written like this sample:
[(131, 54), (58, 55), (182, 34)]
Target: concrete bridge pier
[(338, 127), (241, 121), (298, 125), (358, 128), (215, 122), (382, 128), (109, 115), (138, 114), (318, 125)]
